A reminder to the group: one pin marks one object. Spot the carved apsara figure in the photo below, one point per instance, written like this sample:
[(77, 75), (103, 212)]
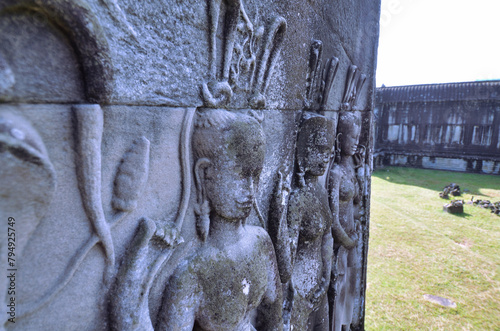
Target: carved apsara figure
[(234, 272), (344, 197), (231, 281), (310, 224)]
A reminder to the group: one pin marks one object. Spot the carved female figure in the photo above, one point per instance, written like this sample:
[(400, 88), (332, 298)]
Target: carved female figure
[(310, 225), (231, 281), (344, 191), (234, 272)]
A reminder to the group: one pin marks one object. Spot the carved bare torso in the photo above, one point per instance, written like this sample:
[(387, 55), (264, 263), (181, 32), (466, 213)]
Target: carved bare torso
[(234, 282), (348, 195), (308, 204), (222, 284)]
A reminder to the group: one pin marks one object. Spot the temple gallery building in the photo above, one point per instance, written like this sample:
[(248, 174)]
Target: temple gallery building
[(452, 126)]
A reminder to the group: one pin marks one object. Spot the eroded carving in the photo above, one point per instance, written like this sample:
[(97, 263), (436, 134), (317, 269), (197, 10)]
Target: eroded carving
[(301, 227), (311, 226), (152, 245), (28, 182), (265, 66), (234, 272), (25, 162), (219, 90), (354, 83), (345, 198), (229, 152), (320, 78), (129, 182), (230, 274), (132, 175), (89, 127)]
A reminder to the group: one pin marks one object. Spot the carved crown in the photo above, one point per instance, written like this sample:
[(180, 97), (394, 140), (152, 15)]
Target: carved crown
[(249, 56)]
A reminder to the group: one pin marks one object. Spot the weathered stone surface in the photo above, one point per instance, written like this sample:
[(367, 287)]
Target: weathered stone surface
[(154, 150)]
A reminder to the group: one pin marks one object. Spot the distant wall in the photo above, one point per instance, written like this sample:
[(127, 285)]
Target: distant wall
[(452, 126)]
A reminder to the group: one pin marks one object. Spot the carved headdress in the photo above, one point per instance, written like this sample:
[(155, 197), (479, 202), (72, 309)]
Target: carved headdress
[(219, 134), (248, 58)]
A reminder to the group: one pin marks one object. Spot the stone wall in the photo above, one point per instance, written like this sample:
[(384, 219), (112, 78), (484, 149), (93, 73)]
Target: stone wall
[(452, 126), (110, 198)]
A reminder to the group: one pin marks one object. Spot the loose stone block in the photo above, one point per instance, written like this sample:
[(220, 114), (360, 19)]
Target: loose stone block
[(454, 207)]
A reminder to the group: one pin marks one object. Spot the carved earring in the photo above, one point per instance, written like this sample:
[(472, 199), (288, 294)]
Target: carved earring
[(338, 150), (301, 173), (202, 208), (202, 211), (359, 156)]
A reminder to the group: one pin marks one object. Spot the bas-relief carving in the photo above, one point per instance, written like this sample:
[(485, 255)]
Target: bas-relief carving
[(345, 196), (249, 54), (354, 83), (311, 220), (234, 272), (201, 292), (88, 121), (346, 188), (305, 239), (52, 23), (239, 276), (128, 177), (231, 281), (24, 161), (320, 78)]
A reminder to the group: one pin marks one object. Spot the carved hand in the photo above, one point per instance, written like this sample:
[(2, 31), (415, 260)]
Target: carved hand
[(168, 234), (278, 227), (281, 192), (319, 293), (357, 230), (359, 157)]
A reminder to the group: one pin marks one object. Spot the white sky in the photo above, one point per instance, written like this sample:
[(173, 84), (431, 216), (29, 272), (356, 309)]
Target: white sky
[(438, 41)]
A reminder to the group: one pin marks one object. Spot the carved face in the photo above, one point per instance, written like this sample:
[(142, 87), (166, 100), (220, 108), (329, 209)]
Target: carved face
[(232, 177), (317, 152), (349, 140), (314, 145)]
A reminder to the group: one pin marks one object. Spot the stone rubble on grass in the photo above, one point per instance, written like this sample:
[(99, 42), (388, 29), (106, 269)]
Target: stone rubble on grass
[(440, 301), (454, 207)]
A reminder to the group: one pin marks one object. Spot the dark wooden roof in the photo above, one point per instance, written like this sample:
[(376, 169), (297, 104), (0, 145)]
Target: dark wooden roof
[(481, 90)]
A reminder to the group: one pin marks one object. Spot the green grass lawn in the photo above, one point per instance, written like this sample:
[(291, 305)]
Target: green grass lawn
[(417, 249)]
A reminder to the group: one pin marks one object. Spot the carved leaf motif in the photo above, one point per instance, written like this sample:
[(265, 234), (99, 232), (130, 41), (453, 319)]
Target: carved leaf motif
[(131, 176), (88, 134)]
